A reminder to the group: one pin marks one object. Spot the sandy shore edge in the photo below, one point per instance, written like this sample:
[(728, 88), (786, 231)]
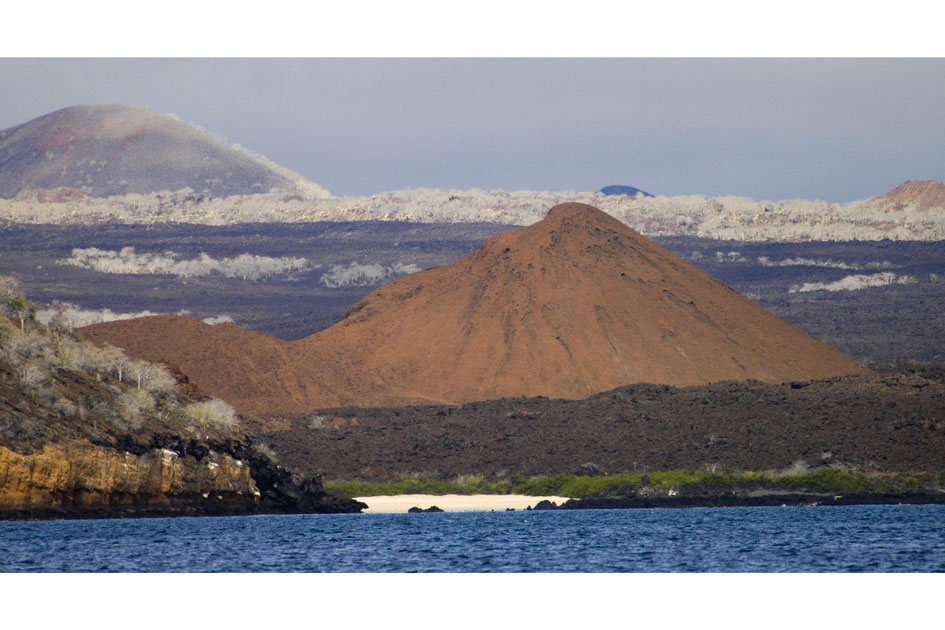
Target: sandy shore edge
[(453, 502)]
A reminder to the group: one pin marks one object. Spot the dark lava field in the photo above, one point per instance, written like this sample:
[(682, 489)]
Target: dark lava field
[(875, 324), (890, 421)]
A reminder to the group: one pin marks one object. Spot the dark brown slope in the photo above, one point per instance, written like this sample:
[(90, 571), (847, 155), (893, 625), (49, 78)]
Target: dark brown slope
[(573, 305), (249, 370), (118, 149)]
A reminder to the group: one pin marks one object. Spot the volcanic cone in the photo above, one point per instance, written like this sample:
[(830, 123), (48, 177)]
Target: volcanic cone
[(575, 304)]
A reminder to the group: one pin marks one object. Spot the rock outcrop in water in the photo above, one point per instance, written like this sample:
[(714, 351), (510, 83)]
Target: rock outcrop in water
[(575, 304)]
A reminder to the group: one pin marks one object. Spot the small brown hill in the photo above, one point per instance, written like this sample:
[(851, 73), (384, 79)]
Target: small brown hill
[(927, 193), (244, 366), (575, 304)]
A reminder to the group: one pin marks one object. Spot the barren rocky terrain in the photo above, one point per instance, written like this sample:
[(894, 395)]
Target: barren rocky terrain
[(894, 421)]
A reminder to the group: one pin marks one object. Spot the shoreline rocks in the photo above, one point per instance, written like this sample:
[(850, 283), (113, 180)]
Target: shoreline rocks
[(418, 510), (769, 500)]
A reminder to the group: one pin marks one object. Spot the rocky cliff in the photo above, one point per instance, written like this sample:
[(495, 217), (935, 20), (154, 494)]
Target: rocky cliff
[(78, 479), (88, 433)]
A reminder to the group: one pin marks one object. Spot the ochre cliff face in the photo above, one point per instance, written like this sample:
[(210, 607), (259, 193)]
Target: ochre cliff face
[(78, 478)]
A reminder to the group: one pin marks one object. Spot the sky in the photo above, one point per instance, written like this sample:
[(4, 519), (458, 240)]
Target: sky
[(768, 128)]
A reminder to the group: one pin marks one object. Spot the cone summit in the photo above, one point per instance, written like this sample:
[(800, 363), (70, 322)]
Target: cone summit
[(575, 304)]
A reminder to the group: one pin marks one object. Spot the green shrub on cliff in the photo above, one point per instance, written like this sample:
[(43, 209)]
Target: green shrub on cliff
[(540, 486), (22, 310), (559, 485)]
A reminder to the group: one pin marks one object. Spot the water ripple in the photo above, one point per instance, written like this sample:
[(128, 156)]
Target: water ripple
[(899, 538)]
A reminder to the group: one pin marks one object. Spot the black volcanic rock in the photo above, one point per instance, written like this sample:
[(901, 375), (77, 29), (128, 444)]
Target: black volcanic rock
[(728, 499), (284, 491), (879, 422), (118, 149)]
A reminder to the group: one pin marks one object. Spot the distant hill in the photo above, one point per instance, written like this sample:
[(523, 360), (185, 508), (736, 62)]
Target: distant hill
[(922, 194), (107, 150), (624, 190)]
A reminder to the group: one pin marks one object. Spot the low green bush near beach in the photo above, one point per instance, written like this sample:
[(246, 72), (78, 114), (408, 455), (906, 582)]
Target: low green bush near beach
[(690, 482), (419, 484), (702, 480), (824, 480)]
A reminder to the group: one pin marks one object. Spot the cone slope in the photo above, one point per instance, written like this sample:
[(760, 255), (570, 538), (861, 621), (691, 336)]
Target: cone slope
[(573, 305)]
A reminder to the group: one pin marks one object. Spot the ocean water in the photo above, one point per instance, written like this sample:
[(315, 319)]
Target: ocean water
[(879, 538)]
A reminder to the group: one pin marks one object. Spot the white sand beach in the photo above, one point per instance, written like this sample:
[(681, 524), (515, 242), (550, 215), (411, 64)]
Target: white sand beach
[(454, 502)]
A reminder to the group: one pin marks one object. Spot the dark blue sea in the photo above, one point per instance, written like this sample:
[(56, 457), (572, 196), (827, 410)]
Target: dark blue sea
[(883, 538)]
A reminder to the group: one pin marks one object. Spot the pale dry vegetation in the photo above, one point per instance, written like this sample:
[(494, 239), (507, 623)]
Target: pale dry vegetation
[(127, 261), (213, 413), (727, 217), (358, 275), (855, 282), (63, 315), (44, 358)]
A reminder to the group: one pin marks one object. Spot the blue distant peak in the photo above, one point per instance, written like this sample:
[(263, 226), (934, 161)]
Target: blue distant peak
[(623, 190)]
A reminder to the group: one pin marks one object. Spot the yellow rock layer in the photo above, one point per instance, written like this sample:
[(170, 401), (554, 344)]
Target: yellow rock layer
[(81, 474)]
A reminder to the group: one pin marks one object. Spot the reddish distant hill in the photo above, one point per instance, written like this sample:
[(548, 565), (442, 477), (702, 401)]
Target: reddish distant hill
[(923, 194), (575, 304), (56, 195), (118, 149)]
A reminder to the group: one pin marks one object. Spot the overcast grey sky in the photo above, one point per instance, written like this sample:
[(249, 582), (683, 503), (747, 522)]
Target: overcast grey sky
[(836, 130)]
